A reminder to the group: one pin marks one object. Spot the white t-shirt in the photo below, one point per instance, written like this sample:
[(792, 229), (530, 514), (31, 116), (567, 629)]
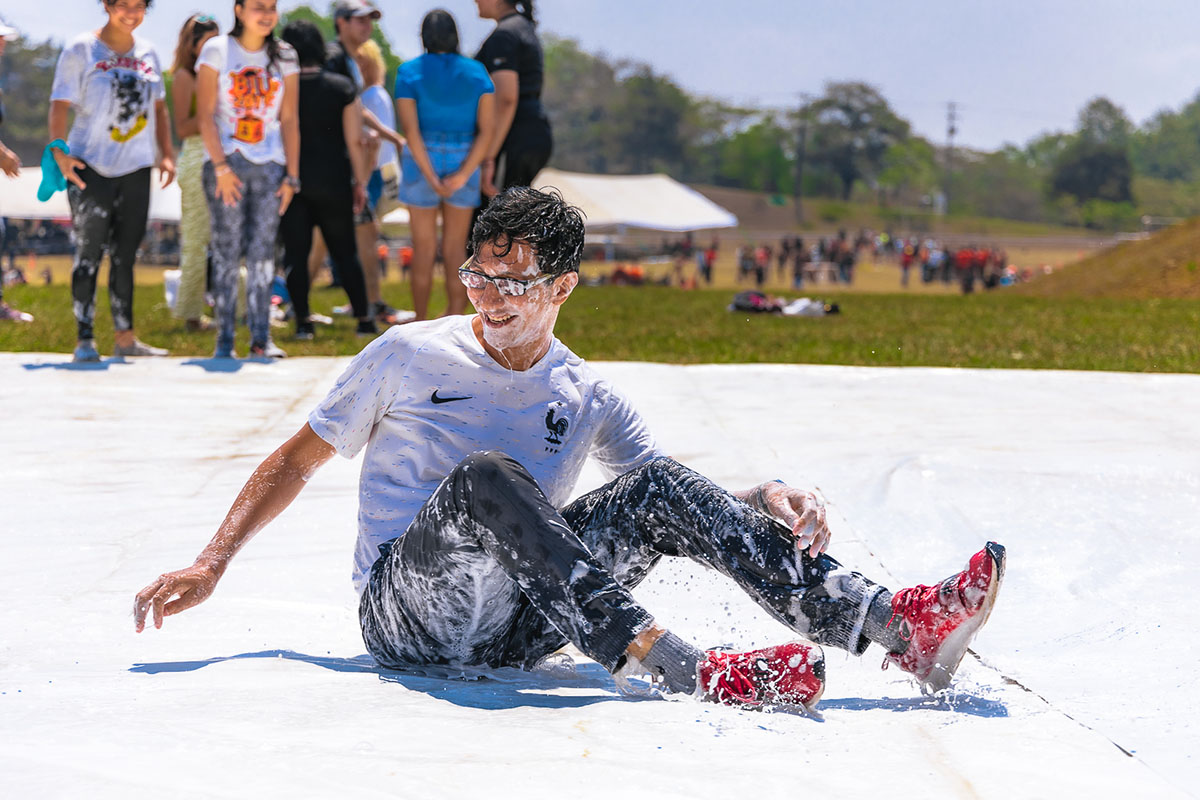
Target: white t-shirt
[(113, 95), (379, 102), (424, 396), (248, 98)]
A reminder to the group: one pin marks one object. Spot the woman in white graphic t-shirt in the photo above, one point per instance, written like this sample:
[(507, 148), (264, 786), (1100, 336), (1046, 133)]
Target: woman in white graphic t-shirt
[(247, 91), (112, 81)]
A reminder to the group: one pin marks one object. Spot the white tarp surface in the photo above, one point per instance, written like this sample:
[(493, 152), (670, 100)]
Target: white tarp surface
[(656, 202), (115, 473), (18, 199)]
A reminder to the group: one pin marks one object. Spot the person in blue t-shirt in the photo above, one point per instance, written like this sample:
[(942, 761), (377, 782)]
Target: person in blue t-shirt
[(445, 104)]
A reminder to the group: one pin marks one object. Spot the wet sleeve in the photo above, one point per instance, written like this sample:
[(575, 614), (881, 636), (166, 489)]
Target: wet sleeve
[(361, 397), (623, 441), (68, 75)]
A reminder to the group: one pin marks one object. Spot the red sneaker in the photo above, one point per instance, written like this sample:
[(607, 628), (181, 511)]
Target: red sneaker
[(940, 621), (791, 674)]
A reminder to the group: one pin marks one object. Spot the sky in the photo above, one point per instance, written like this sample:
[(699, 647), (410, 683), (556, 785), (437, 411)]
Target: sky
[(1015, 69)]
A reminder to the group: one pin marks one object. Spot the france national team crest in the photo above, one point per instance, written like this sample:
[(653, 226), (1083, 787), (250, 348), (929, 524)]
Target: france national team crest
[(557, 427)]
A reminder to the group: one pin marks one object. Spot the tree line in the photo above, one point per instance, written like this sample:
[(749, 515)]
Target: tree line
[(847, 144)]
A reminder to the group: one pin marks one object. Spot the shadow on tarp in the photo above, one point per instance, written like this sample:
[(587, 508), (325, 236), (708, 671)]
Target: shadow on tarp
[(490, 689), (226, 364), (214, 364), (949, 701), (508, 687), (84, 366)]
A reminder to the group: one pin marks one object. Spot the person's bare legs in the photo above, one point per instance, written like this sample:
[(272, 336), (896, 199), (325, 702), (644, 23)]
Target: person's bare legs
[(423, 223), (456, 224)]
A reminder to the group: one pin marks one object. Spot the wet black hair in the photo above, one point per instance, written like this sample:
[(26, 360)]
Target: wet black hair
[(306, 39), (272, 43), (543, 220), (439, 33), (114, 2)]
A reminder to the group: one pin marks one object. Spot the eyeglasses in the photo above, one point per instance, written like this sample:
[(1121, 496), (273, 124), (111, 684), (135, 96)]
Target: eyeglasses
[(509, 287)]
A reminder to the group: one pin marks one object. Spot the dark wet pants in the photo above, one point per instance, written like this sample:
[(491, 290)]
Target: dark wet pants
[(333, 213), (110, 214), (491, 574)]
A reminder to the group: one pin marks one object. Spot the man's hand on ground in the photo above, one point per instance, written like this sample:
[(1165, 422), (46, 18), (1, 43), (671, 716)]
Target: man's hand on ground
[(190, 587), (801, 511)]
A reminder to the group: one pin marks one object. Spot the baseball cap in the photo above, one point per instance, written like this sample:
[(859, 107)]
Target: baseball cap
[(355, 8), (8, 33)]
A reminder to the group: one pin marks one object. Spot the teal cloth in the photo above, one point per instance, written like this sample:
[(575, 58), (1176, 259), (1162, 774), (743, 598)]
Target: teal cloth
[(52, 177)]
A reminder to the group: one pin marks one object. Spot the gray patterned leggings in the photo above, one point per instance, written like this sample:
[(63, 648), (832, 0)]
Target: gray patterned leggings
[(248, 229), (490, 574)]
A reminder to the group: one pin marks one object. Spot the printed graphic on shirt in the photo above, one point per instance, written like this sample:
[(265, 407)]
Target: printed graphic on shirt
[(556, 425), (251, 90), (131, 96)]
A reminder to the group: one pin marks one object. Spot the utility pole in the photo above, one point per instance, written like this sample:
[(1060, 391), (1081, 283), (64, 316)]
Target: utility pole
[(801, 144), (951, 129)]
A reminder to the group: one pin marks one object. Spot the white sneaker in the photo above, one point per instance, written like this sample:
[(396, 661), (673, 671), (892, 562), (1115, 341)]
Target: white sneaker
[(268, 350), (137, 349), (10, 314)]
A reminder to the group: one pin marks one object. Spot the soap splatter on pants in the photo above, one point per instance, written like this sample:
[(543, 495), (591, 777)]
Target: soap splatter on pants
[(247, 228), (490, 574), (110, 214)]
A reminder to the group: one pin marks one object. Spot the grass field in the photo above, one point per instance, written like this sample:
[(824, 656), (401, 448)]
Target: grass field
[(870, 276), (926, 327), (1166, 264)]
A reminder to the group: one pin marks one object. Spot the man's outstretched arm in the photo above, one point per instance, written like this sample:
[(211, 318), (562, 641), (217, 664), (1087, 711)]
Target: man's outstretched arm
[(271, 489)]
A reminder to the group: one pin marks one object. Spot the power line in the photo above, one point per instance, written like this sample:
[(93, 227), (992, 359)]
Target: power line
[(951, 129)]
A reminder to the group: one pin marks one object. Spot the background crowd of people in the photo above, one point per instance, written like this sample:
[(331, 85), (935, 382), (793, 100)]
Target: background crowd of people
[(967, 265), (292, 150)]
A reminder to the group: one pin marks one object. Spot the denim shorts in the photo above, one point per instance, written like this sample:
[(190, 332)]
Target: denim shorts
[(447, 151)]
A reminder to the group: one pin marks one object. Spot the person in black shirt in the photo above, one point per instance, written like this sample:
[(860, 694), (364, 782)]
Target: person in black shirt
[(354, 20), (522, 142), (333, 177)]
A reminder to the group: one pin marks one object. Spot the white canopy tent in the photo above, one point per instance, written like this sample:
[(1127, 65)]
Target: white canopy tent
[(653, 202), (18, 199), (612, 203)]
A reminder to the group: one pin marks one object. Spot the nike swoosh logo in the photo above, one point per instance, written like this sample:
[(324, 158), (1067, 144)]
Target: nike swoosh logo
[(437, 401)]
